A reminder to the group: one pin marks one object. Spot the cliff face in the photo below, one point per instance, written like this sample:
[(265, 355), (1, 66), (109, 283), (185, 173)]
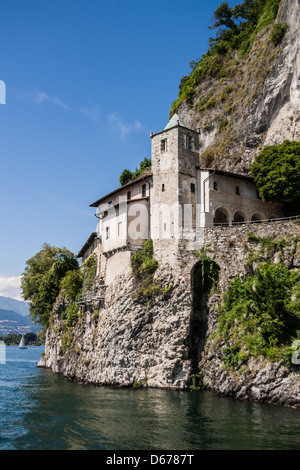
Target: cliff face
[(161, 341), (130, 340), (253, 101)]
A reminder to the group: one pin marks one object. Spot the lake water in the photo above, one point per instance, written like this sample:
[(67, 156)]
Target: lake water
[(40, 410)]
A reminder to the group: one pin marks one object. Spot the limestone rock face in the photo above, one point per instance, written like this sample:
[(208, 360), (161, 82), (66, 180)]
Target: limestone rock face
[(255, 102), (152, 342), (128, 341)]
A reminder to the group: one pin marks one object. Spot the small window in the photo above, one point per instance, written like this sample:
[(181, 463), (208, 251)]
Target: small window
[(192, 187), (215, 186), (237, 191), (163, 145), (163, 187), (107, 233), (190, 143), (119, 229), (165, 227), (144, 190), (109, 203), (129, 195)]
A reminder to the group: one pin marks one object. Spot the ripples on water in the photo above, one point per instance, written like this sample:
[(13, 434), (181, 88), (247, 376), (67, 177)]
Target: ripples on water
[(40, 410)]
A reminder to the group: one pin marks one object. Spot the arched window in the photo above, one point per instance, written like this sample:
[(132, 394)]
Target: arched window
[(256, 218), (221, 217), (238, 218)]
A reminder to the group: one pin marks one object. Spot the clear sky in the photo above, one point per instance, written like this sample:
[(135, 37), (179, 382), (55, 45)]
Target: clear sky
[(86, 82)]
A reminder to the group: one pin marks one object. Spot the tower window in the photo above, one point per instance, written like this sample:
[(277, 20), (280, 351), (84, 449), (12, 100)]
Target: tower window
[(192, 187), (215, 186), (129, 195), (237, 191), (163, 187), (143, 190), (107, 233), (190, 143), (119, 229), (163, 145)]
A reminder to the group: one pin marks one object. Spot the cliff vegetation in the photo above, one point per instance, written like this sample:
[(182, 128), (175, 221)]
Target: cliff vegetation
[(259, 314), (217, 95)]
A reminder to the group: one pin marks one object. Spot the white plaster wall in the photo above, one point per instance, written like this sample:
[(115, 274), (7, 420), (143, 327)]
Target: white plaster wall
[(116, 265)]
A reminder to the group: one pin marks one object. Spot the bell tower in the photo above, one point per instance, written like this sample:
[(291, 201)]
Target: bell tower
[(174, 162)]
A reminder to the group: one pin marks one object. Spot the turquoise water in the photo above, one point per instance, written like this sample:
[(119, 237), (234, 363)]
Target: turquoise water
[(40, 410)]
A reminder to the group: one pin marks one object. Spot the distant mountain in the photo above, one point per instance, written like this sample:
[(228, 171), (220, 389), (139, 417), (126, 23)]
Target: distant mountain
[(17, 306), (13, 322)]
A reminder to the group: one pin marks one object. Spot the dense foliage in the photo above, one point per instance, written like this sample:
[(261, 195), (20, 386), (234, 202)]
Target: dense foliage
[(236, 29), (142, 262), (41, 281), (143, 266), (276, 172), (127, 175), (71, 284), (260, 315)]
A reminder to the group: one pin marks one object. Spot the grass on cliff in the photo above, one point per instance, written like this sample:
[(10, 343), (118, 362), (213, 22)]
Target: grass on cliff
[(237, 29), (260, 315), (143, 266)]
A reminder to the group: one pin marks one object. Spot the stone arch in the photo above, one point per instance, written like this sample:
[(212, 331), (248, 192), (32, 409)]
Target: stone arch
[(239, 217), (204, 276), (273, 217), (221, 216), (257, 217)]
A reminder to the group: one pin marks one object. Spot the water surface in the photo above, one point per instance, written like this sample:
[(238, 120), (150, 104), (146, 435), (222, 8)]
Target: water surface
[(41, 410)]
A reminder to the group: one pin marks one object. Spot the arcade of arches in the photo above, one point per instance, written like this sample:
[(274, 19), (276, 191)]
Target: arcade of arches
[(222, 217)]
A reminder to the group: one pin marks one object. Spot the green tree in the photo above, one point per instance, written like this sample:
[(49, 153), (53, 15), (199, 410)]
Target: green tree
[(71, 284), (276, 172), (224, 17), (127, 175), (42, 278), (12, 339)]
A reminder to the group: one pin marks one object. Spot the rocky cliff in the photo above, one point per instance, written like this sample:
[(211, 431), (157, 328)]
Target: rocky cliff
[(164, 340), (251, 100)]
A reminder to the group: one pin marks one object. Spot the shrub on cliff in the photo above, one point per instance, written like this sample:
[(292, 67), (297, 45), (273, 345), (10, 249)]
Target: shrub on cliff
[(260, 315), (143, 267), (41, 281), (142, 263), (276, 172), (71, 284), (236, 29)]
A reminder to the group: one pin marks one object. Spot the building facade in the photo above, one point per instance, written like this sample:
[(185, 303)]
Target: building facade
[(175, 202)]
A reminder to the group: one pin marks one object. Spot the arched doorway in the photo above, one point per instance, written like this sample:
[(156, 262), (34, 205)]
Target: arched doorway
[(238, 218), (256, 218), (221, 217), (204, 276)]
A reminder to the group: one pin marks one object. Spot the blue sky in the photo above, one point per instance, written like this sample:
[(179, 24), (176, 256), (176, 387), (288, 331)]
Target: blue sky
[(86, 82)]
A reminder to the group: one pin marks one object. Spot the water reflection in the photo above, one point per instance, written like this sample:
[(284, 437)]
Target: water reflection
[(64, 415)]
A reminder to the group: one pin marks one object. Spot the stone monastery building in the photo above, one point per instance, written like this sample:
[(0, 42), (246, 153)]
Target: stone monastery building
[(172, 204)]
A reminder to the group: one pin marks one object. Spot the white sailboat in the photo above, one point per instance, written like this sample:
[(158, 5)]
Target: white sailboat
[(22, 343)]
